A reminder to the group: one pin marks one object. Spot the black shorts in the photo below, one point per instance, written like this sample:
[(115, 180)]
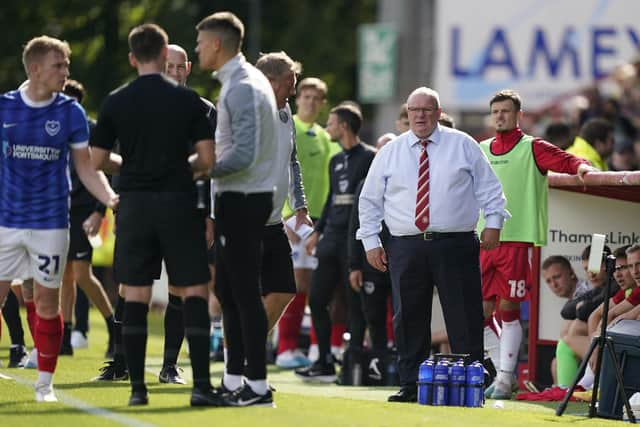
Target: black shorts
[(276, 271), (156, 226), (79, 247)]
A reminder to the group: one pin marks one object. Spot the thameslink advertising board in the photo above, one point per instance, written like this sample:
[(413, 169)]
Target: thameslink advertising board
[(573, 218), (540, 48)]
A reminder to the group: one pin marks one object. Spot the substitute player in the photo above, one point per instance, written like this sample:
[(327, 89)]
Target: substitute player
[(521, 162)]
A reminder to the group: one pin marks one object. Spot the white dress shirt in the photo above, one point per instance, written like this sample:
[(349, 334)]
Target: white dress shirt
[(461, 183)]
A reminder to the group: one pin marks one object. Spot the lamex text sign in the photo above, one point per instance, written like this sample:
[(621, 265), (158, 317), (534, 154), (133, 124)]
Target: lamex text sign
[(542, 49)]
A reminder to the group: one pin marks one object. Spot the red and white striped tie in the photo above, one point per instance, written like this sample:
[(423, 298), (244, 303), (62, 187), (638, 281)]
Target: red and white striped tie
[(422, 196)]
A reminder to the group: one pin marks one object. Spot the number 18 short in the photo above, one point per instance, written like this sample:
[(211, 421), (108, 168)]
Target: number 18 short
[(506, 272)]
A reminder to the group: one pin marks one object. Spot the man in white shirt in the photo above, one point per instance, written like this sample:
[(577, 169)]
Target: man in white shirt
[(429, 185)]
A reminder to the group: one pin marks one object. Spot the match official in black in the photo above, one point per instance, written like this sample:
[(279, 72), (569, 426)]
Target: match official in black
[(156, 121)]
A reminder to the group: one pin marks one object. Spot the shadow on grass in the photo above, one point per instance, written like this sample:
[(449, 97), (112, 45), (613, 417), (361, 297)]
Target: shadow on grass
[(7, 408), (93, 384), (49, 410)]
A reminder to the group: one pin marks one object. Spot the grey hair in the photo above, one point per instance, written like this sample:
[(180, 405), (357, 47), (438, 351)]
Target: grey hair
[(423, 90)]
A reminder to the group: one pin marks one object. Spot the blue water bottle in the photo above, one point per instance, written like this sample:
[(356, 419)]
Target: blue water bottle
[(441, 383), (425, 382), (475, 382), (457, 381)]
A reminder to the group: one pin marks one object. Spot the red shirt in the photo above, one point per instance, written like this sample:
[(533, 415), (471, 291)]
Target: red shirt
[(547, 156), (634, 297), (618, 297)]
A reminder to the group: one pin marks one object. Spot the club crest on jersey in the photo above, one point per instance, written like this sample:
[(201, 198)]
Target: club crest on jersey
[(52, 127), (369, 287), (343, 184)]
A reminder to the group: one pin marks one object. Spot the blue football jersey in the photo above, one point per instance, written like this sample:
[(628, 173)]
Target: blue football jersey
[(34, 163)]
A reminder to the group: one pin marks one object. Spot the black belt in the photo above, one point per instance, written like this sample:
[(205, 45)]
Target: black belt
[(434, 235)]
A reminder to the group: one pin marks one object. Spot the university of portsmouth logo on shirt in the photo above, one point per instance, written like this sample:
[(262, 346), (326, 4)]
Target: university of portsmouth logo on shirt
[(52, 127), (6, 149)]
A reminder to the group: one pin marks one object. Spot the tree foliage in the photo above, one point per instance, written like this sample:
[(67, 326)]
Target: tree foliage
[(321, 35)]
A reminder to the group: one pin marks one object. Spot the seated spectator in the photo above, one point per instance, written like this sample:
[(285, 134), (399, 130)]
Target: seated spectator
[(618, 303), (594, 142), (631, 305), (563, 282), (383, 139), (622, 301), (623, 157), (623, 129), (402, 122), (559, 134), (447, 120), (578, 311)]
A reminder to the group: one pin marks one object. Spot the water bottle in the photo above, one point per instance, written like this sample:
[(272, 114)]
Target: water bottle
[(425, 382), (441, 383), (201, 195), (392, 378), (457, 380), (475, 381)]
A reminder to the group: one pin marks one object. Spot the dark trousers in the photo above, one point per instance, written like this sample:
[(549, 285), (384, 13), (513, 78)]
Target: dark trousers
[(374, 295), (81, 311), (331, 273), (240, 219), (452, 264)]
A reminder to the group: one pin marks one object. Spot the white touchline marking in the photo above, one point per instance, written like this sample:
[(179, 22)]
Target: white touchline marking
[(85, 407)]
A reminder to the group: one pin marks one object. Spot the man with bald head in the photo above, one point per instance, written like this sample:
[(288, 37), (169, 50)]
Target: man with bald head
[(429, 186), (178, 67)]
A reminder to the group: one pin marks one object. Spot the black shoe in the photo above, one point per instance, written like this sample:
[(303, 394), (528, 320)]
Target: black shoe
[(113, 371), (211, 397), (405, 394), (318, 372), (171, 375), (18, 357), (138, 398), (222, 390), (110, 350), (245, 396)]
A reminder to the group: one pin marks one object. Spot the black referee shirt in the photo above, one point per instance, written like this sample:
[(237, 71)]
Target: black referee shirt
[(156, 122)]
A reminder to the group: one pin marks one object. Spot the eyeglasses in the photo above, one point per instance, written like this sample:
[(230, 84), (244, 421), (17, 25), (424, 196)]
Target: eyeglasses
[(621, 267), (421, 110)]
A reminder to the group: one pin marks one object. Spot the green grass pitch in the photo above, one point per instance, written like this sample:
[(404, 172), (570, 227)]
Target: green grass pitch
[(87, 403)]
